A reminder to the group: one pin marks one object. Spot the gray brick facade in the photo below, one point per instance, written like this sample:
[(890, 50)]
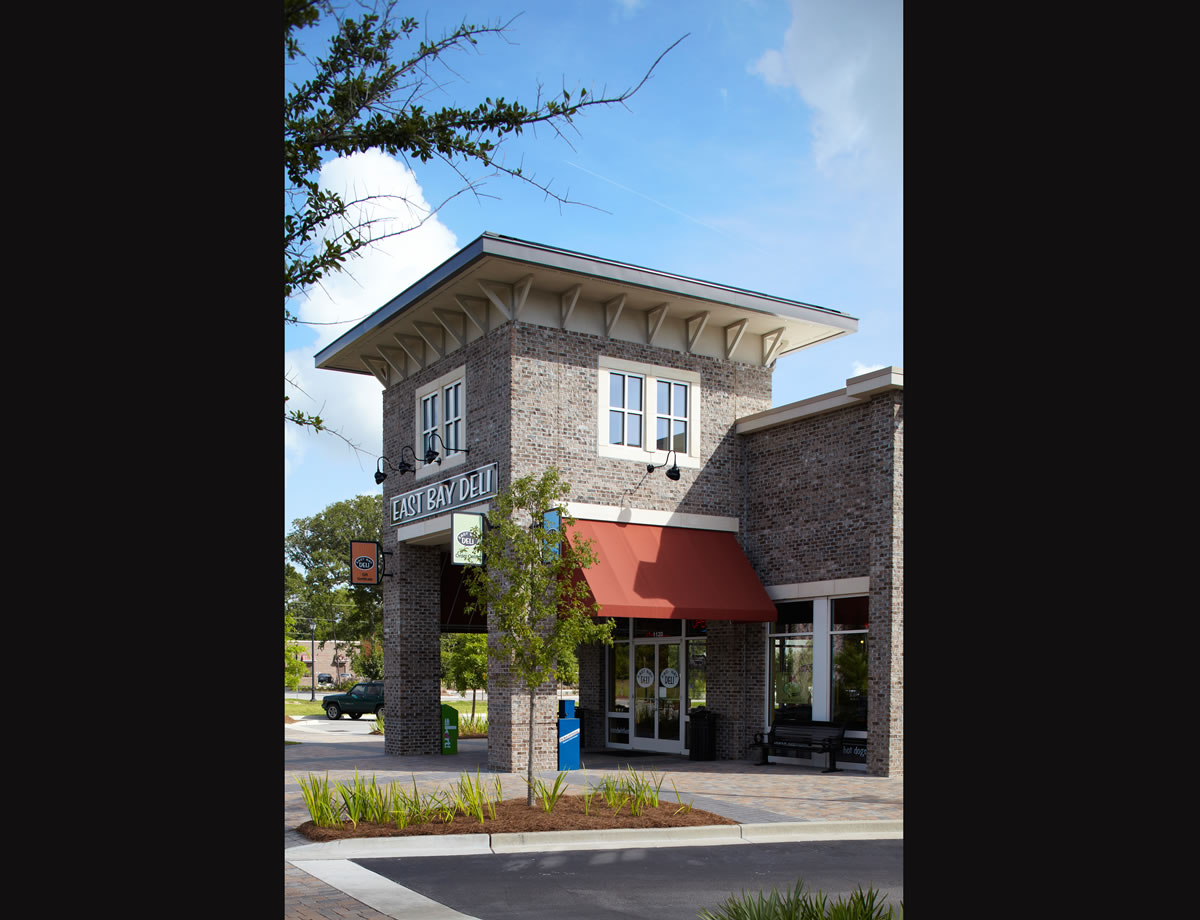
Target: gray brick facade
[(818, 497)]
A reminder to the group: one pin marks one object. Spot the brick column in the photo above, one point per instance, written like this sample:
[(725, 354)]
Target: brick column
[(411, 650), (508, 722), (591, 695), (736, 678), (885, 725)]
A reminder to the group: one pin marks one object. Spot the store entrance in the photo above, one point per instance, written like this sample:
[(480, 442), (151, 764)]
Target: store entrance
[(656, 692)]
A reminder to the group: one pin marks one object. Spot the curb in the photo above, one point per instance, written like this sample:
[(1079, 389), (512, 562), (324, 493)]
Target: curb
[(545, 841)]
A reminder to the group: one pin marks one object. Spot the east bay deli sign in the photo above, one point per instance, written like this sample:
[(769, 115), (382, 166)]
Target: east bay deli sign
[(443, 497)]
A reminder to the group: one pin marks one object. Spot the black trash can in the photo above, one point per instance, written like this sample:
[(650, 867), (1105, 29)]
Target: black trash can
[(704, 734)]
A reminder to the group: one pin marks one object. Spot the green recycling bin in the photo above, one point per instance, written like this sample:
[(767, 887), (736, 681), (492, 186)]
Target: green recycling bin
[(449, 729)]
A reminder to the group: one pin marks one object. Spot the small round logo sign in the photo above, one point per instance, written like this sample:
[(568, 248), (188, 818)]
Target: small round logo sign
[(366, 563), (468, 538), (669, 678), (645, 678)]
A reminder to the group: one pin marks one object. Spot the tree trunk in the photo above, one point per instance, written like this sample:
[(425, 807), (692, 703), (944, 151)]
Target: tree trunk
[(529, 762), (473, 692)]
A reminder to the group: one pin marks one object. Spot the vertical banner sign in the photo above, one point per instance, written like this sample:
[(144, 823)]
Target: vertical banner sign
[(466, 530), (552, 520), (364, 563)]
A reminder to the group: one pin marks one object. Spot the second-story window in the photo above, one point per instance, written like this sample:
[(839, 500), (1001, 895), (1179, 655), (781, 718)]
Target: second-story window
[(441, 407), (625, 412), (429, 422), (671, 432), (452, 409)]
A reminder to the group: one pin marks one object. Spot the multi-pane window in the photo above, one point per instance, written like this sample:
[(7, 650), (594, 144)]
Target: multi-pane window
[(452, 410), (441, 407), (625, 411), (644, 411), (672, 416), (429, 422)]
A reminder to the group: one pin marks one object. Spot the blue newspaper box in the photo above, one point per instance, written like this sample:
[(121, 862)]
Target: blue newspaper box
[(568, 736)]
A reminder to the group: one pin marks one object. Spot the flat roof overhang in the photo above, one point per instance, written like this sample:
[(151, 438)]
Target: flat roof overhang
[(496, 279)]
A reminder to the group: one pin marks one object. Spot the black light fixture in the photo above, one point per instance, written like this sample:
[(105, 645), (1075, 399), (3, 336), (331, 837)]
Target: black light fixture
[(402, 467), (673, 472), (431, 455)]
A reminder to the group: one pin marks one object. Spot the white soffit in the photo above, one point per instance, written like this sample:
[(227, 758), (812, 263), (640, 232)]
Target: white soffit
[(495, 279)]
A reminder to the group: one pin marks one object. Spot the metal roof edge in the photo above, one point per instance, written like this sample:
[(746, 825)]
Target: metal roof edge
[(452, 266), (508, 247)]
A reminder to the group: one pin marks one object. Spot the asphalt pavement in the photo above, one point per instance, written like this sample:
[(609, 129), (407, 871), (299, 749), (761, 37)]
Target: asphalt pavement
[(773, 804)]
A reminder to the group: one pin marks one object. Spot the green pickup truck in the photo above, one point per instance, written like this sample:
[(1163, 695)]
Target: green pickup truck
[(364, 697)]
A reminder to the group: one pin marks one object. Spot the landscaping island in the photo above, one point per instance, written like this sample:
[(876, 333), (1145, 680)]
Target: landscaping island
[(514, 816)]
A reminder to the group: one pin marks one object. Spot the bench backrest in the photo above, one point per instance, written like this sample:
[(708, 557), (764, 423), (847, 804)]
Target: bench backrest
[(788, 728)]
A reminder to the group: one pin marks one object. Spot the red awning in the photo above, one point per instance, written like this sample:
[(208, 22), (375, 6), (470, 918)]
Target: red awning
[(672, 573)]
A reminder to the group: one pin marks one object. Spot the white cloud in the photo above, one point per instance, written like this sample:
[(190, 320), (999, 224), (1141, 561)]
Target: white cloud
[(860, 368), (846, 62), (349, 403)]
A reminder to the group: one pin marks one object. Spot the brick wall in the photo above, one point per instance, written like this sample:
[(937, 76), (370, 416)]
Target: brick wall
[(836, 479), (819, 497)]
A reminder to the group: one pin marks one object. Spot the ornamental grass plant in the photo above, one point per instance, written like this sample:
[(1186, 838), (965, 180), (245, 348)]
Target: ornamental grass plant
[(796, 903), (340, 807)]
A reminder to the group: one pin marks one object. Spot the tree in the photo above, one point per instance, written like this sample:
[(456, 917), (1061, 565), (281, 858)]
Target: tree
[(367, 661), (364, 94), (464, 663), (293, 667), (527, 589), (320, 545)]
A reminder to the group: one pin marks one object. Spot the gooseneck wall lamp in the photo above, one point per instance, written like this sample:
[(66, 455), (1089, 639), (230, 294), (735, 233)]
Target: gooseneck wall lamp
[(673, 472), (432, 456), (402, 467)]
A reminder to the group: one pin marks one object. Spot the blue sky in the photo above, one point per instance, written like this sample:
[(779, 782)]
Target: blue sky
[(765, 152)]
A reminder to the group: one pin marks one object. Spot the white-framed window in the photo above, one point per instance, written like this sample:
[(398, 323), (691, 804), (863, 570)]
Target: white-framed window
[(441, 408), (817, 659), (671, 415), (626, 409), (644, 411)]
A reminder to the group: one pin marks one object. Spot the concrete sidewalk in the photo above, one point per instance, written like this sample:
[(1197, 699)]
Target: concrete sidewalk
[(771, 803)]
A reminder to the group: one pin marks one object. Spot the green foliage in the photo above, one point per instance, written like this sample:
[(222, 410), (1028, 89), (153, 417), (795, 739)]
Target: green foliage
[(472, 725), (797, 904), (629, 788), (527, 589), (320, 545), (363, 92), (464, 663), (367, 661), (293, 667), (549, 795)]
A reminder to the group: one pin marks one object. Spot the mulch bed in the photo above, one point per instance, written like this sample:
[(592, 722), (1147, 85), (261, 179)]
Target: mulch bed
[(515, 816)]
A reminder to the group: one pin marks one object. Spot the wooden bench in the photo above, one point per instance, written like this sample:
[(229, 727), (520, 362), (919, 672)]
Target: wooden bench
[(793, 732)]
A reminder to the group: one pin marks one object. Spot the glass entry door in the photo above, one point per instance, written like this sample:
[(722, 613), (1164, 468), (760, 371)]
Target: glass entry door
[(657, 679)]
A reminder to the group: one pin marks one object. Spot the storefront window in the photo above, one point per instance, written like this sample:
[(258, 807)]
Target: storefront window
[(791, 672), (791, 645), (848, 661)]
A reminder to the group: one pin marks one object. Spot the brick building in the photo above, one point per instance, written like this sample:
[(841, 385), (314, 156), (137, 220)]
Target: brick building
[(330, 660), (766, 569)]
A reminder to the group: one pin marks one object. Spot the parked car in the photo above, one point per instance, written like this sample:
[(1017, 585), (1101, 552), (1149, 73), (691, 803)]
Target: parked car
[(324, 678), (363, 697)]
